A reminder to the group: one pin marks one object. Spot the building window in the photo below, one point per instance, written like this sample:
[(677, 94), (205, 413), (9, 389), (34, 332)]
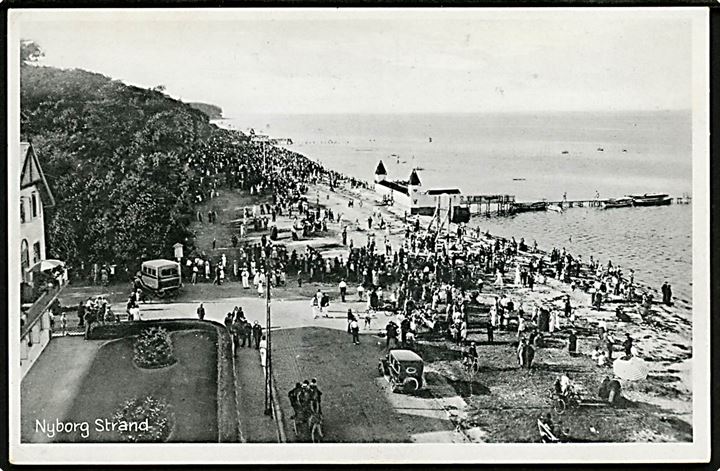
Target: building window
[(24, 256), (22, 210), (34, 205), (36, 252)]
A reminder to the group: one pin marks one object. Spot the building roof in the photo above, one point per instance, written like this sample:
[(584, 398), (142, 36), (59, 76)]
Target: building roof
[(32, 173), (380, 169), (414, 178), (443, 191), (395, 186)]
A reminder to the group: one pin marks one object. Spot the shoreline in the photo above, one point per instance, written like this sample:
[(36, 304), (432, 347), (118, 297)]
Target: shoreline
[(668, 387), (665, 342), (666, 346)]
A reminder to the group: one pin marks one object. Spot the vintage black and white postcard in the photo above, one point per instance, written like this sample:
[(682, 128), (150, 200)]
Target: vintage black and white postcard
[(358, 235)]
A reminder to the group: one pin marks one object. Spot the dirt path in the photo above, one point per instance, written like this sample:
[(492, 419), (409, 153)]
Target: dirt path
[(358, 406), (255, 426)]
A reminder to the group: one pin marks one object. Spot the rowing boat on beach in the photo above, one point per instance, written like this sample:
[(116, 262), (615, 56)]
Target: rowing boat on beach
[(554, 207)]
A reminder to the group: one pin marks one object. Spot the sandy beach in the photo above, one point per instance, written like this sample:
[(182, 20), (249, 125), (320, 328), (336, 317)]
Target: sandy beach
[(663, 339)]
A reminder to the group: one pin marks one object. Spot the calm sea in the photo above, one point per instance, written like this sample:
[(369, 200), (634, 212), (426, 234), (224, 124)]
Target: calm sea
[(531, 156)]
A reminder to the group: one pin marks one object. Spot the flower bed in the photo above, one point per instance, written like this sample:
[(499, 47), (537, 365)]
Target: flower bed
[(144, 420), (153, 348)]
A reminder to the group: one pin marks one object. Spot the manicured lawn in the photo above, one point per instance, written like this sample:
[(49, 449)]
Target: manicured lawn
[(189, 387)]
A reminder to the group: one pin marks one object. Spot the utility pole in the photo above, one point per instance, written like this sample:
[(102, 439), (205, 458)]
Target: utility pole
[(268, 337)]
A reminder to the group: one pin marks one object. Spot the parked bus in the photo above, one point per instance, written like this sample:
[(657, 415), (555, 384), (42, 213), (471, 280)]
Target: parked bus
[(159, 277)]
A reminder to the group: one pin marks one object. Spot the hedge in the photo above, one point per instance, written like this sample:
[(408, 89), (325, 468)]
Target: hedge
[(117, 330)]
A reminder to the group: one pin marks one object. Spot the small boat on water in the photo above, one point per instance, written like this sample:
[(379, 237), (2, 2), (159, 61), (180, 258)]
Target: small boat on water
[(526, 207), (518, 179), (554, 207), (651, 199), (617, 203)]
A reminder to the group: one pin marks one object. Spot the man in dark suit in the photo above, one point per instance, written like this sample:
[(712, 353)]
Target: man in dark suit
[(257, 334), (248, 334)]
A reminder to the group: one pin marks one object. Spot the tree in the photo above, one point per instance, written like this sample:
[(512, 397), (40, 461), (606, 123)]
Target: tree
[(30, 52)]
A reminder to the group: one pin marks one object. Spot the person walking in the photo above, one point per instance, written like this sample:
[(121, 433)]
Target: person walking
[(201, 312), (355, 331), (350, 318), (257, 334), (248, 334), (325, 305), (628, 345), (368, 320), (391, 331), (666, 294), (263, 352), (63, 323), (195, 270), (572, 343), (245, 278), (609, 342), (343, 289), (236, 333)]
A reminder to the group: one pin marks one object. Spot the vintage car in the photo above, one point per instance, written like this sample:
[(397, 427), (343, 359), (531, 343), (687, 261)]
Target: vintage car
[(159, 277), (403, 369)]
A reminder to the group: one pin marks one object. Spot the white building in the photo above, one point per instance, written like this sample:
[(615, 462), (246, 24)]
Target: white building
[(35, 196), (411, 195)]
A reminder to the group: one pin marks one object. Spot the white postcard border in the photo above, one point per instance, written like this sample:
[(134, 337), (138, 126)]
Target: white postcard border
[(696, 451)]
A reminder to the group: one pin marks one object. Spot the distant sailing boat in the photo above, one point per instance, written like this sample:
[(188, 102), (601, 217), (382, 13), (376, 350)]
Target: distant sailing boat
[(429, 139)]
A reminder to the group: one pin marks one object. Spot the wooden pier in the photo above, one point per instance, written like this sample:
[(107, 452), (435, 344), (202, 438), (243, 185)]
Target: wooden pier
[(593, 203), (503, 205), (489, 204)]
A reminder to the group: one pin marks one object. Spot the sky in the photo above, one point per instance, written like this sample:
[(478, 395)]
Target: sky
[(383, 60)]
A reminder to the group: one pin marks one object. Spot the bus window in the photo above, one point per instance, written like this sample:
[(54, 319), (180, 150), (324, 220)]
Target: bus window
[(169, 272)]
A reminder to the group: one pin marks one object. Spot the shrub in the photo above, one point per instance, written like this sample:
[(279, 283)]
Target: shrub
[(148, 420), (153, 348)]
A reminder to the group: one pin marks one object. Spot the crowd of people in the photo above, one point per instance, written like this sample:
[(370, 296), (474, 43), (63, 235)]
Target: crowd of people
[(243, 333), (431, 282)]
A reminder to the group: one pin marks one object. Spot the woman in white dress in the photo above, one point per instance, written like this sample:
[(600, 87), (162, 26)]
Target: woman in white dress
[(498, 279), (517, 275), (245, 279)]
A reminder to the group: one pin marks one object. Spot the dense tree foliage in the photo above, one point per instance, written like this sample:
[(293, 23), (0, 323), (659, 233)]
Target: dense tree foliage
[(116, 157), (213, 112)]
